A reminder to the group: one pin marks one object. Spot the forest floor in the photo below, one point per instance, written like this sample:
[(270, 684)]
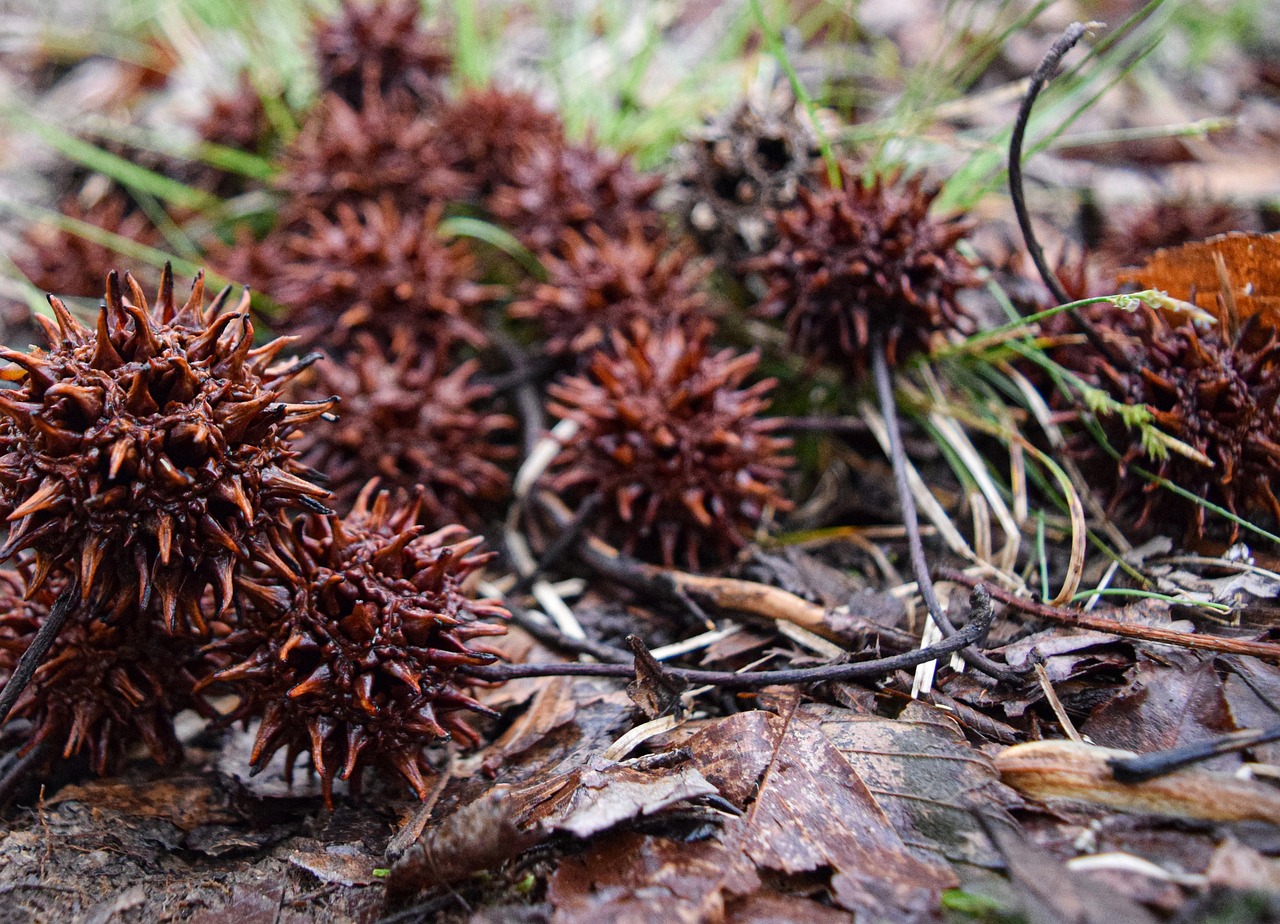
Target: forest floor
[(899, 794)]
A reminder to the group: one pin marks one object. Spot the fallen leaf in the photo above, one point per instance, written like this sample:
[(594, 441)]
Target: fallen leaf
[(807, 818), (1253, 695), (345, 864), (552, 707), (1236, 866), (187, 802), (655, 691), (510, 819), (1251, 262), (1166, 705), (925, 776), (1052, 894)]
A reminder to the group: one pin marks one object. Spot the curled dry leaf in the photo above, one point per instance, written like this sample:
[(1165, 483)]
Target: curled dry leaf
[(1082, 773), (510, 819)]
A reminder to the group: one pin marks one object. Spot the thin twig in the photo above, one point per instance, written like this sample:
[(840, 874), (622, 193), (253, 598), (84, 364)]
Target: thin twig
[(40, 645), (1043, 74), (1142, 633), (977, 627), (679, 586), (820, 424), (548, 634), (1149, 766), (910, 518), (564, 542), (528, 404)]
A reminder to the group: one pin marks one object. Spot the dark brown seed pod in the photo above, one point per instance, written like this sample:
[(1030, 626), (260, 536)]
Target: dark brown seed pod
[(865, 261), (493, 131), (1134, 233), (386, 148), (411, 422), (673, 442), (559, 185), (239, 120), (380, 43), (149, 454), (103, 687), (364, 660), (597, 283), (1214, 391), (378, 270), (738, 170)]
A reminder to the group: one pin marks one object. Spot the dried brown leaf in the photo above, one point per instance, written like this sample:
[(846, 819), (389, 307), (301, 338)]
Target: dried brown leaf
[(1251, 262), (925, 776), (1052, 894), (510, 819), (1166, 705)]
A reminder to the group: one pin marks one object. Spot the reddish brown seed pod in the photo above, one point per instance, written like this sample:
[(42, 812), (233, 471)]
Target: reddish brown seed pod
[(1214, 391), (385, 148), (380, 43), (103, 687), (493, 131), (410, 421), (149, 454), (378, 270), (558, 185), (864, 261), (597, 283), (364, 660), (673, 442)]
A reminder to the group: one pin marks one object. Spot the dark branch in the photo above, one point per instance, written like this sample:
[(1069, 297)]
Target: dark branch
[(40, 645), (1150, 766), (911, 518), (1042, 75), (979, 622)]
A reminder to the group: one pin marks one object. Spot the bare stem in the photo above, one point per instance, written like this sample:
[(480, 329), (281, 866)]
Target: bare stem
[(977, 626), (911, 518), (1043, 74), (40, 645)]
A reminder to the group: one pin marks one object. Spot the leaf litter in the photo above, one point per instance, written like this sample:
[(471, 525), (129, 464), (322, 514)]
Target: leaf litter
[(817, 803)]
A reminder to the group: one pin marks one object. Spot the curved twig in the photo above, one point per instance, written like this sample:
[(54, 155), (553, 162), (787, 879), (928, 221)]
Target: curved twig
[(1042, 75), (910, 517), (980, 615)]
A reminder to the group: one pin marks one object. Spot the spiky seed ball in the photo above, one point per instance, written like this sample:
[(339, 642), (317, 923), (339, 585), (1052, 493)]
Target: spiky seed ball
[(1216, 392), (238, 120), (103, 687), (673, 443), (366, 659), (149, 454), (865, 261), (410, 421), (1133, 234), (379, 42), (492, 131), (559, 185), (386, 148), (597, 283), (65, 263), (379, 270), (735, 172)]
